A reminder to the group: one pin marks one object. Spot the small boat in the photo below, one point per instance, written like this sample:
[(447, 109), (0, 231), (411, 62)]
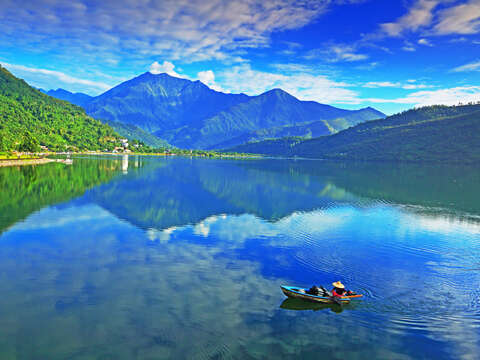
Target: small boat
[(300, 293)]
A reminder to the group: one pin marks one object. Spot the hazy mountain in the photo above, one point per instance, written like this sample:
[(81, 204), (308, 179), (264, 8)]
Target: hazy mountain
[(307, 129), (189, 114), (263, 113), (434, 133), (79, 99)]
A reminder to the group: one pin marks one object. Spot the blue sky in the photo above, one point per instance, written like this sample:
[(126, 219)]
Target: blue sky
[(392, 55)]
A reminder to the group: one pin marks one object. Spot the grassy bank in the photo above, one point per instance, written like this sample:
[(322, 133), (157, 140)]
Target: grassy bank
[(17, 156)]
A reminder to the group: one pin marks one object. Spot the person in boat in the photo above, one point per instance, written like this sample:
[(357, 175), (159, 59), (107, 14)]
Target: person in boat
[(339, 290)]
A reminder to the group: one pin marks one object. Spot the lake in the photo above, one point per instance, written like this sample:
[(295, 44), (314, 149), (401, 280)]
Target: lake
[(179, 258)]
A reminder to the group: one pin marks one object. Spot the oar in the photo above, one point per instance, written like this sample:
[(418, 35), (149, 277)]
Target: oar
[(336, 300)]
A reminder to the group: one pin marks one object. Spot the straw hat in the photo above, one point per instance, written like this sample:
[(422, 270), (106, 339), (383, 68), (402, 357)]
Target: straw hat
[(338, 285)]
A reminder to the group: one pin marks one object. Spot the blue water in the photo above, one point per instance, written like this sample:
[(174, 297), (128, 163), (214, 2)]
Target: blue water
[(182, 258)]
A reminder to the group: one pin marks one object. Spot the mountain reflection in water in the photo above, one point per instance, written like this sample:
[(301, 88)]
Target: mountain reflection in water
[(183, 258)]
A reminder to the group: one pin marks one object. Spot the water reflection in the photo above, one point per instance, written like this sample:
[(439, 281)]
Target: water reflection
[(26, 189), (300, 305), (183, 258), (125, 164)]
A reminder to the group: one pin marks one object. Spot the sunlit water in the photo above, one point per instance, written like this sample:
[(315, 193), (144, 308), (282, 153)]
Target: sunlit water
[(152, 258)]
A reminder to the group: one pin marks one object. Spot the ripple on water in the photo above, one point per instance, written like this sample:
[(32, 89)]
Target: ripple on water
[(214, 350), (428, 282)]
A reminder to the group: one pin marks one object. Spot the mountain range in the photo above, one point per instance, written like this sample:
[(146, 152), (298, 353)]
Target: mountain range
[(189, 114), (433, 134), (78, 99)]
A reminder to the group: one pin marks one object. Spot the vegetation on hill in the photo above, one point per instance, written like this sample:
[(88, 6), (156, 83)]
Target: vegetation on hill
[(275, 113), (433, 133), (132, 132), (29, 118)]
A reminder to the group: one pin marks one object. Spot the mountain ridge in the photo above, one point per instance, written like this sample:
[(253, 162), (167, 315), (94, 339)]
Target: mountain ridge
[(78, 98), (433, 134), (189, 114)]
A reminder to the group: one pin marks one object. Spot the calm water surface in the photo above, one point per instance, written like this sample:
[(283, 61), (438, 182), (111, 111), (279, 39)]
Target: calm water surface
[(153, 258)]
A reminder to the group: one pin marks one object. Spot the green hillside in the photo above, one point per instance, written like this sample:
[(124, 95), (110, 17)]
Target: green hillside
[(132, 132), (26, 112), (306, 130), (432, 134)]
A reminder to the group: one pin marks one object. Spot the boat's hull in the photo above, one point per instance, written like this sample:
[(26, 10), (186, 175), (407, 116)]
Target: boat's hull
[(299, 293)]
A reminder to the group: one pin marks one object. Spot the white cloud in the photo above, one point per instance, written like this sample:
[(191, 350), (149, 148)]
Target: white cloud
[(302, 84), (337, 53), (409, 86), (377, 84), (176, 29), (425, 42), (162, 236), (165, 67), (450, 96), (346, 53), (37, 75), (418, 16), (446, 225), (208, 78), (459, 19), (461, 39), (408, 46), (291, 67), (473, 66), (415, 86)]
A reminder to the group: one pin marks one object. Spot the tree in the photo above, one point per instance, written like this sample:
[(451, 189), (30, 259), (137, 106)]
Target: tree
[(29, 143)]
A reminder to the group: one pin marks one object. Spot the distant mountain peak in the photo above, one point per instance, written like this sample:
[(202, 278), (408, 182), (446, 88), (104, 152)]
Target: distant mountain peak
[(77, 98), (190, 114), (58, 91), (276, 91)]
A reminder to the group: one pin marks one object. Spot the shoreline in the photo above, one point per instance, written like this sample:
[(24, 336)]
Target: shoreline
[(22, 162), (168, 154)]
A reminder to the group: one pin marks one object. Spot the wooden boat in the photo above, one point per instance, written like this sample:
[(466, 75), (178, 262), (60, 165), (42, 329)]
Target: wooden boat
[(300, 293)]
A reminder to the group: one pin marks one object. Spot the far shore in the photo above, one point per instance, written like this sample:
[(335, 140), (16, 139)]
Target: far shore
[(22, 162), (186, 154), (44, 160)]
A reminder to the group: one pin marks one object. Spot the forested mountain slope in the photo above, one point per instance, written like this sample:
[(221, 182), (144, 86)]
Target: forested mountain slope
[(54, 123), (434, 133)]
